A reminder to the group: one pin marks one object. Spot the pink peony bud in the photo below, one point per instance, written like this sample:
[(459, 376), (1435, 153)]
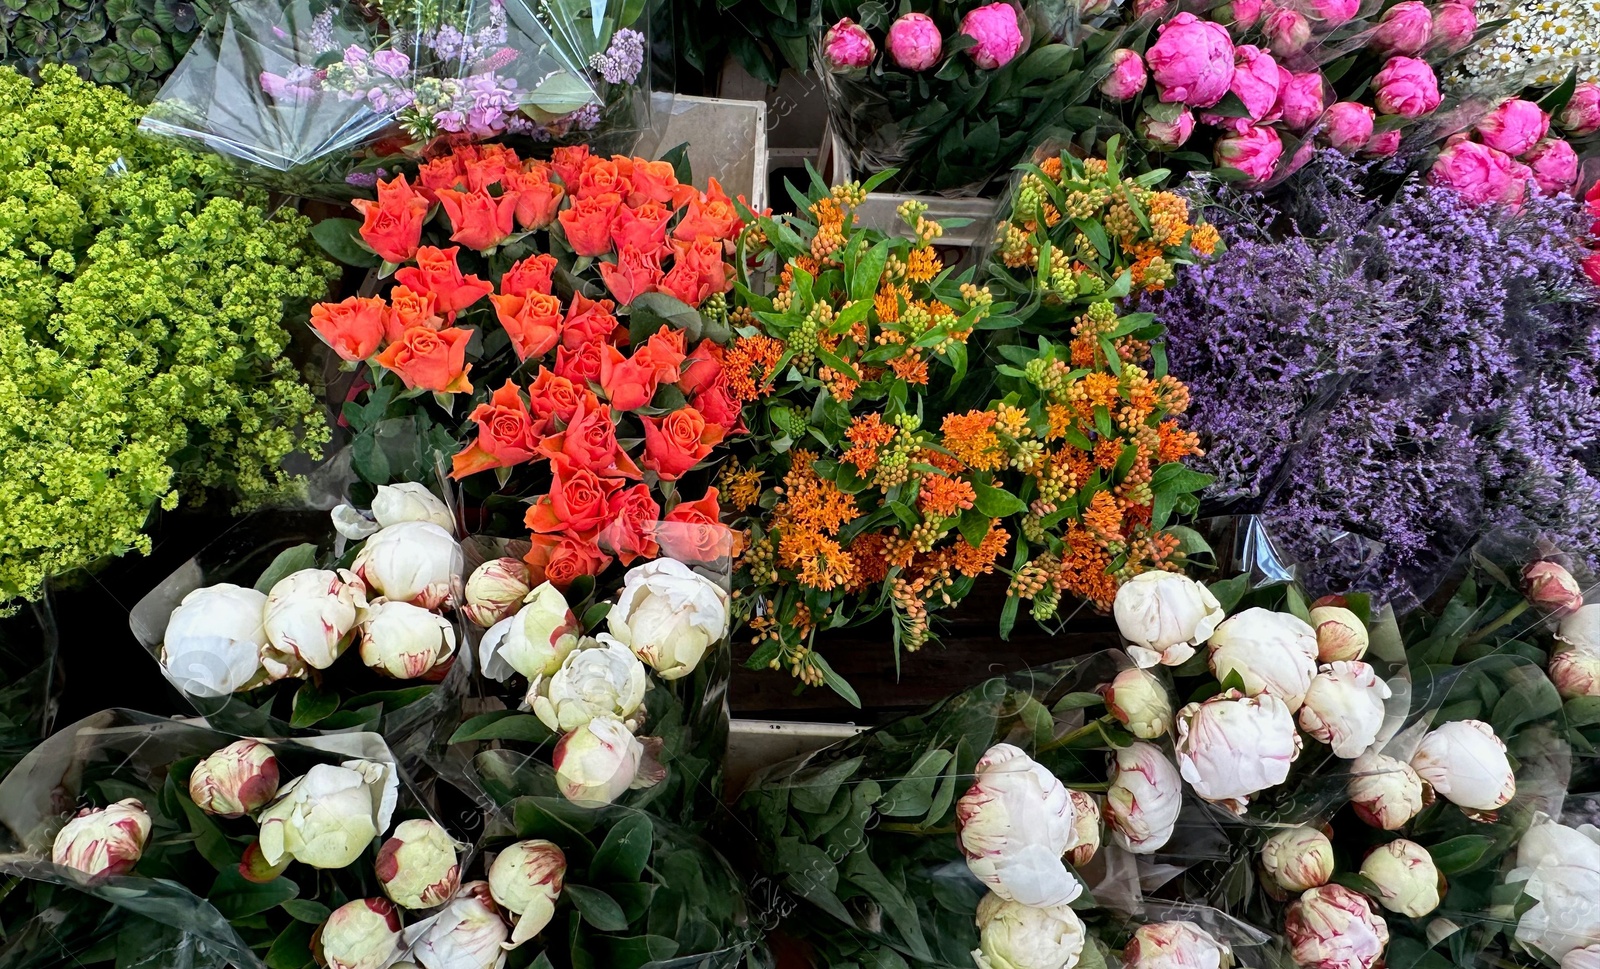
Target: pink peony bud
[(847, 46), (1301, 100), (1256, 80), (1144, 799), (1581, 629), (1406, 86), (1085, 828), (1240, 15), (418, 866), (1550, 587), (1127, 77), (1014, 824), (1405, 28), (1454, 23), (1383, 144), (1254, 151), (1192, 61), (1175, 945), (1480, 174), (1139, 701), (1331, 927), (914, 42), (1554, 164), (1165, 126), (1513, 127), (1340, 632), (1233, 746), (1287, 31), (253, 865), (1333, 13), (1384, 792), (997, 33), (239, 779), (363, 934), (1344, 707), (1581, 116), (1575, 672), (1297, 859), (103, 841)]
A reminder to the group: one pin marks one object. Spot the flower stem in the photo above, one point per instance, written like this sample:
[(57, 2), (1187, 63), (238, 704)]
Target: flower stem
[(1505, 617)]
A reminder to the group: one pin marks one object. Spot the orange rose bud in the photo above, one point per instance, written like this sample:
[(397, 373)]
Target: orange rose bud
[(664, 351), (704, 365), (353, 328), (712, 214), (628, 383), (693, 531), (587, 223), (589, 321), (392, 226), (698, 271), (568, 163), (436, 272), (718, 405), (535, 274), (644, 226), (408, 308), (486, 164), (538, 198), (562, 559), (657, 181), (590, 442), (479, 220), (583, 364), (677, 442), (576, 503), (633, 274), (506, 434), (533, 321), (601, 176), (555, 398), (437, 174), (631, 530), (430, 359)]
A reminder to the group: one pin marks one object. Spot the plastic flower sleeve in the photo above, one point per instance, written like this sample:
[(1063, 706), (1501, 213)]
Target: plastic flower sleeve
[(30, 669), (186, 868)]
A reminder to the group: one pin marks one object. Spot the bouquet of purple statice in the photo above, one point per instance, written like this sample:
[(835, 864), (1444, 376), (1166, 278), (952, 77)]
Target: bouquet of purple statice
[(1387, 380)]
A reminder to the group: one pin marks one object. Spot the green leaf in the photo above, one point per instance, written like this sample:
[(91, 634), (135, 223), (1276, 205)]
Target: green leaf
[(503, 725), (340, 238), (650, 311), (305, 910), (815, 794), (1460, 854), (996, 502), (1533, 697), (1295, 603), (622, 856), (974, 526), (1229, 591), (287, 562), (292, 948), (312, 705), (1046, 63), (868, 271), (209, 840), (913, 794), (835, 682), (237, 897), (560, 93), (1583, 711), (1077, 701), (598, 909)]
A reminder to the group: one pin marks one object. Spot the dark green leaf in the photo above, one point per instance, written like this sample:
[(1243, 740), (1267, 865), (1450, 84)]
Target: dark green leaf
[(292, 948), (340, 238), (598, 909), (287, 562), (1460, 854), (237, 897), (312, 705), (503, 725), (997, 502), (305, 910), (622, 856)]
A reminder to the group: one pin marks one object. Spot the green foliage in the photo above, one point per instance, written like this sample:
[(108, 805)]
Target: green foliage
[(133, 44), (142, 337)]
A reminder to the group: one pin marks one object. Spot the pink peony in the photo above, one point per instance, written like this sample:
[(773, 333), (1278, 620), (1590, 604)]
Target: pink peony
[(1454, 23), (1166, 125), (1555, 166), (1383, 144), (1192, 61), (1300, 103), (1406, 86), (1349, 127), (914, 42), (1405, 28), (1254, 151), (1256, 80), (847, 46), (998, 35), (1332, 13), (1240, 15), (1477, 172), (1127, 77), (1287, 31), (1581, 116), (1513, 127)]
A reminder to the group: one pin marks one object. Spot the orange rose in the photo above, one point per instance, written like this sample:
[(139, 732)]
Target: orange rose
[(693, 531), (392, 226), (628, 383), (712, 214), (408, 308), (601, 176), (568, 163), (587, 223), (485, 164), (631, 530), (656, 181), (664, 351), (718, 405), (538, 198), (534, 274), (697, 271), (505, 435), (703, 366), (555, 398), (633, 274), (430, 359), (588, 321), (479, 220), (644, 226), (533, 321), (677, 442), (576, 504), (436, 272), (561, 560), (353, 328), (583, 365), (437, 174), (590, 442)]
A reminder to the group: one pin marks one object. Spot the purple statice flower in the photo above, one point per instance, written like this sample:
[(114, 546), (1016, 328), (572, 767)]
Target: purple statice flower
[(321, 33), (622, 59), (363, 179)]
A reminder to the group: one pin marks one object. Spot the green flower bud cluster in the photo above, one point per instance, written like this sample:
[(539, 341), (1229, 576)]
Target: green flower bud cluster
[(143, 335)]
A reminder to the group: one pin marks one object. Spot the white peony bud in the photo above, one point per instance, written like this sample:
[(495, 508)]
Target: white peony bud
[(1164, 616), (1232, 746), (1384, 792), (1344, 707), (327, 816), (1581, 629), (1587, 957), (1085, 828), (1296, 859), (410, 502), (1271, 652), (1144, 799), (495, 590), (1466, 764), (413, 561), (1405, 876), (418, 865), (239, 779), (1175, 945), (1551, 587), (469, 934), (404, 641), (1559, 867), (1575, 672), (1015, 825), (1139, 701), (534, 641), (669, 615), (597, 762), (1341, 635), (1012, 935), (526, 880), (309, 617), (213, 641), (103, 841), (1332, 927), (363, 934), (601, 678)]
